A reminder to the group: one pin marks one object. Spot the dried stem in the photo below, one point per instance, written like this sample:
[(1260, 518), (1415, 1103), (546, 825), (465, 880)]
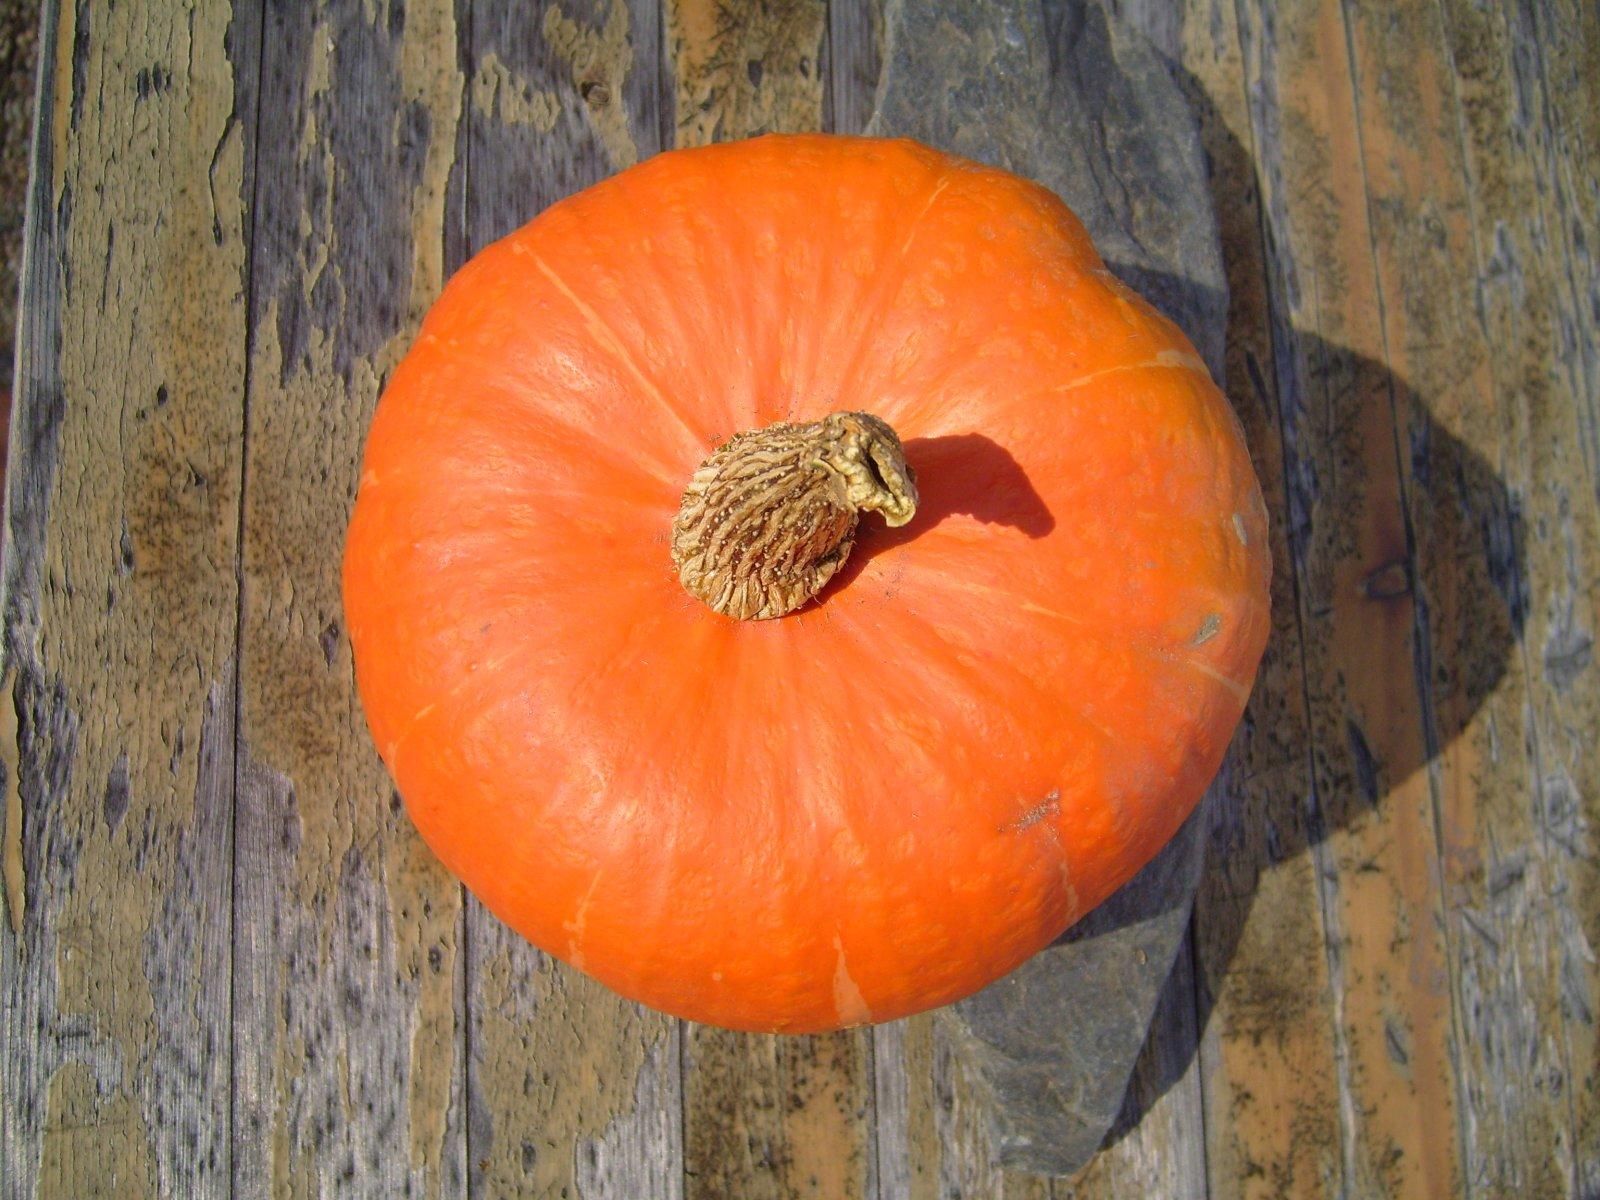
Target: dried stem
[(771, 516)]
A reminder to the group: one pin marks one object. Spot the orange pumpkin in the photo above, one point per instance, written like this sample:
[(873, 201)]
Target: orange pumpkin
[(990, 717)]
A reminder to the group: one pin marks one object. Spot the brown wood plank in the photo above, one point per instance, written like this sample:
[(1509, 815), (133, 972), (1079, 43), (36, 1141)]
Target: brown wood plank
[(1469, 535), (1366, 636), (777, 1117), (742, 70), (854, 58), (573, 1090), (1557, 46), (120, 608), (1530, 201), (1264, 1000), (766, 1117), (19, 44), (907, 1140), (933, 1137), (350, 1065), (1564, 40)]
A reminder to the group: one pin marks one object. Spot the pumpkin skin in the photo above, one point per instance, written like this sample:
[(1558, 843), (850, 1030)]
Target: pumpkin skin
[(888, 799)]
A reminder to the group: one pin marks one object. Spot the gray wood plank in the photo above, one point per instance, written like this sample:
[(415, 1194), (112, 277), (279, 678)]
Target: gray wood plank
[(120, 608), (1471, 551), (1521, 101), (572, 1089), (350, 1072), (855, 56), (1157, 1145), (1562, 39)]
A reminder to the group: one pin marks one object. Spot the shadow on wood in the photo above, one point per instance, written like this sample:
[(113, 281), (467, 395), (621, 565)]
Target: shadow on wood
[(964, 474), (1315, 393)]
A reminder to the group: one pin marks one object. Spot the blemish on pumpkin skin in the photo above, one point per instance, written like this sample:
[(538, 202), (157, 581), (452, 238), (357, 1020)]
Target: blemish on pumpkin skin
[(849, 1005), (1208, 630), (1239, 530), (1166, 359), (1238, 690), (579, 923), (1177, 358), (1050, 806)]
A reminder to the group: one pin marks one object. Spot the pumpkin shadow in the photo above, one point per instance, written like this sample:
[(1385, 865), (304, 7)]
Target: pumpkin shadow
[(1456, 582), (963, 474)]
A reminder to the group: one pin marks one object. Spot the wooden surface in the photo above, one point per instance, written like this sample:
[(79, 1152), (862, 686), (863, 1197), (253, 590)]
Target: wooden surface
[(19, 32), (228, 966)]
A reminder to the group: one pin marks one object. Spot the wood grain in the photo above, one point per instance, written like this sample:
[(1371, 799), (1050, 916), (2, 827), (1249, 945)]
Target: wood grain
[(1387, 948), (348, 1015), (120, 610), (777, 1117), (1527, 208), (1564, 39), (19, 44), (1470, 540), (228, 965), (766, 1117), (854, 58), (1270, 1083), (1157, 1147), (573, 1090), (748, 68)]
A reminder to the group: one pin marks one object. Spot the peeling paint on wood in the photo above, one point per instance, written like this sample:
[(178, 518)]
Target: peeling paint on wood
[(746, 70), (120, 594), (573, 1090), (347, 989), (766, 1118)]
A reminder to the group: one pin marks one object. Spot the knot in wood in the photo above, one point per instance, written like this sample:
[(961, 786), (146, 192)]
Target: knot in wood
[(771, 516)]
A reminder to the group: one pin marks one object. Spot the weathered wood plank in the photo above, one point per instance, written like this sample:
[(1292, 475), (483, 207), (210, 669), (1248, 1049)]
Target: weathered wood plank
[(770, 1118), (743, 70), (19, 44), (1267, 1053), (1555, 47), (1157, 1147), (1469, 538), (907, 1140), (349, 1072), (1529, 208), (120, 608), (1564, 38), (574, 1090), (1364, 641), (854, 58), (933, 1137), (765, 1117)]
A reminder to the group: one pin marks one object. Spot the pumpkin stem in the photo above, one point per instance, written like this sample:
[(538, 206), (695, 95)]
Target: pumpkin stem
[(771, 516)]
